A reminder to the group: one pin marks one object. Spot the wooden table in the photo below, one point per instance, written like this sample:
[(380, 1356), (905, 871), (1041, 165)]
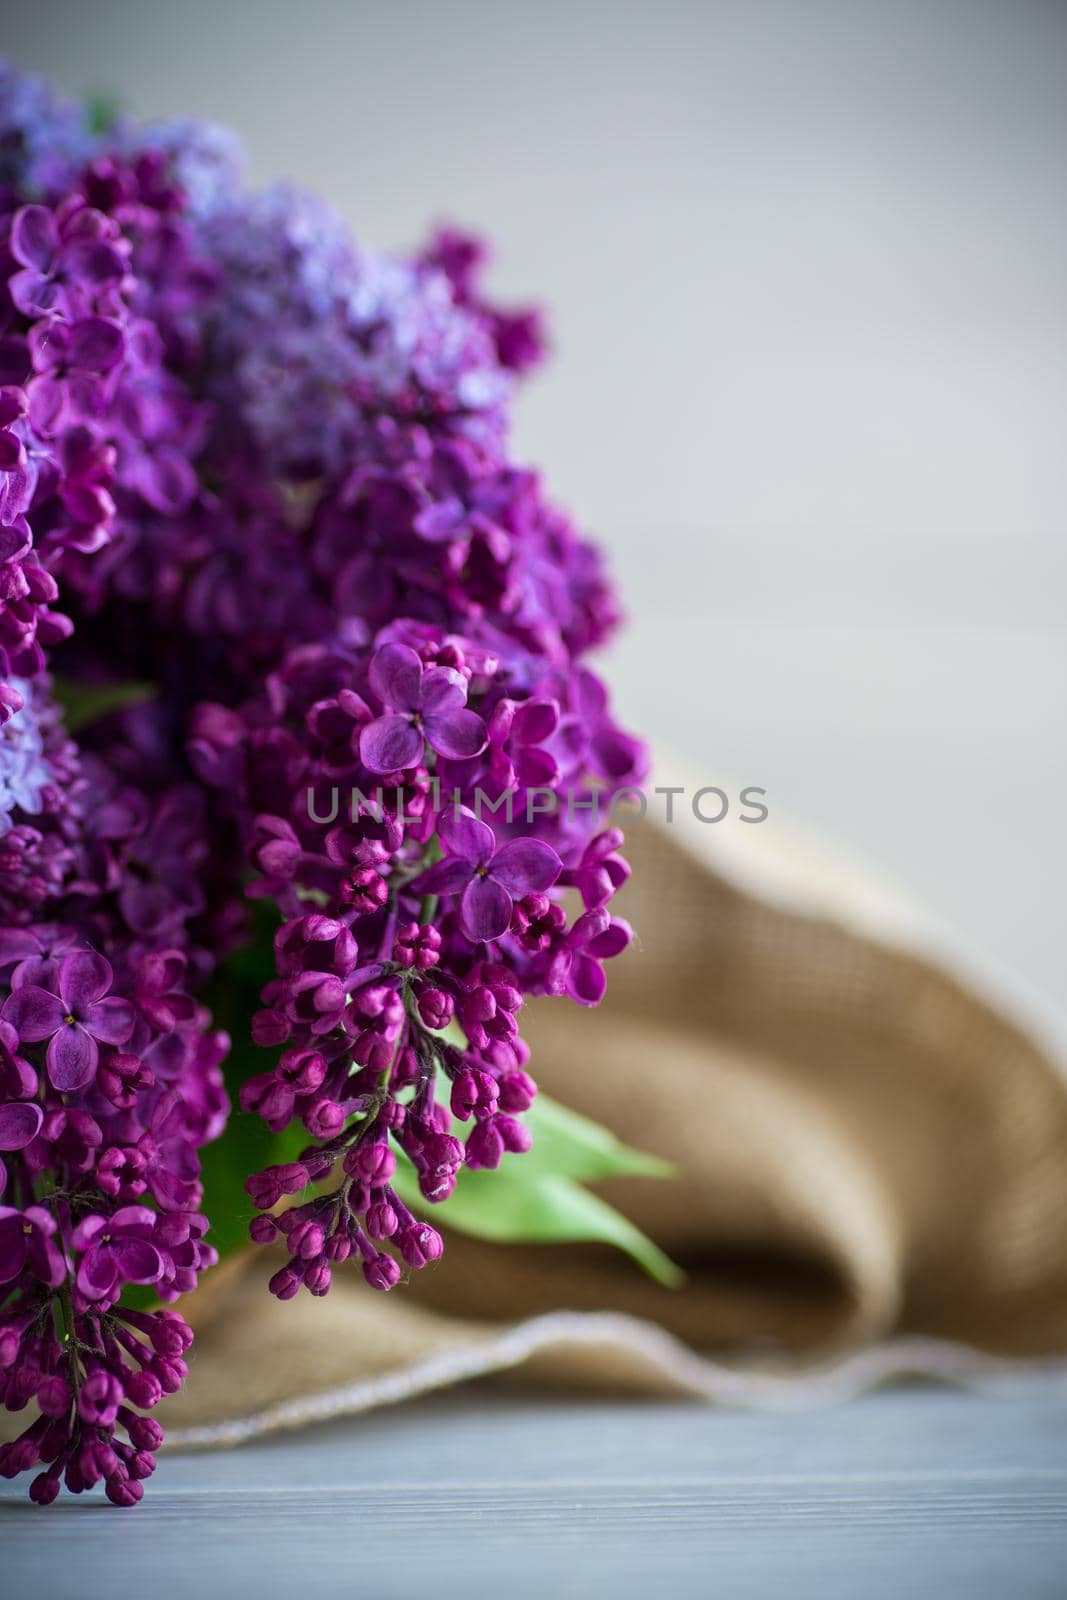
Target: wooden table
[(908, 1492)]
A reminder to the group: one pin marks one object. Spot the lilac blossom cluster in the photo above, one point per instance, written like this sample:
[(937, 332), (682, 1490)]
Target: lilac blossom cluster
[(267, 473), (110, 1075)]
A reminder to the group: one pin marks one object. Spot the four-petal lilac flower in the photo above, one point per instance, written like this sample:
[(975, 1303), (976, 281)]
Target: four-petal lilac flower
[(27, 1239), (422, 705), (117, 1250), (74, 1019), (70, 360), (63, 262), (489, 879)]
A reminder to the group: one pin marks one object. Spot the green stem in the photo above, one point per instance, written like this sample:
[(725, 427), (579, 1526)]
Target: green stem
[(64, 1320)]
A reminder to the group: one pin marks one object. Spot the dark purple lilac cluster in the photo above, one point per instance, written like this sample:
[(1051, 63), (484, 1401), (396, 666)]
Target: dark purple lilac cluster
[(264, 473), (414, 928), (110, 1074)]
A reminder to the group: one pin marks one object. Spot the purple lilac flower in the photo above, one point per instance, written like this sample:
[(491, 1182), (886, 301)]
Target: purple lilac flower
[(27, 1240), (75, 1019), (116, 1250), (420, 706), (67, 258), (487, 879)]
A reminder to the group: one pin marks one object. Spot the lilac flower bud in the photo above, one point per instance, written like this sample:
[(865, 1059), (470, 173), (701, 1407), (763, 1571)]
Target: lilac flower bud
[(381, 1272), (338, 1247), (267, 1188), (169, 1332), (517, 1091), (54, 1396), (271, 1099), (485, 1146), (285, 1283), (276, 849), (270, 1027), (436, 1008), (420, 1244), (437, 1185), (473, 1093), (122, 1490), (372, 1163), (171, 1373), (364, 891), (405, 1069), (478, 1006), (317, 1277), (441, 1151), (170, 1338), (516, 1136), (19, 1456), (99, 1399), (24, 1385), (302, 1070), (539, 921), (392, 1115), (306, 1240), (97, 1459), (262, 1229), (324, 1119), (318, 1164), (144, 1389), (417, 946), (45, 1487), (122, 1172), (381, 1220), (145, 1433), (122, 1078)]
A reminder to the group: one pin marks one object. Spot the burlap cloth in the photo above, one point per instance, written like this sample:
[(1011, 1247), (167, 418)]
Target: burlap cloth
[(873, 1138)]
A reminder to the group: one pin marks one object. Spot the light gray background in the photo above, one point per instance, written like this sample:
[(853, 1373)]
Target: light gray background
[(806, 265)]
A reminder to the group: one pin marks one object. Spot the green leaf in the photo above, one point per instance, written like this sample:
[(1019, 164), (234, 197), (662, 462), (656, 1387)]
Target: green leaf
[(572, 1146), (516, 1207), (85, 703), (537, 1198)]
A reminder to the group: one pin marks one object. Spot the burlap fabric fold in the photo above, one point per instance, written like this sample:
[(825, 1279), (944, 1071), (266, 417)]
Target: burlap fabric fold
[(872, 1132)]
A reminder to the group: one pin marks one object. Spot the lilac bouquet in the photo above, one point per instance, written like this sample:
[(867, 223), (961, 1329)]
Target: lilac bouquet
[(298, 741)]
